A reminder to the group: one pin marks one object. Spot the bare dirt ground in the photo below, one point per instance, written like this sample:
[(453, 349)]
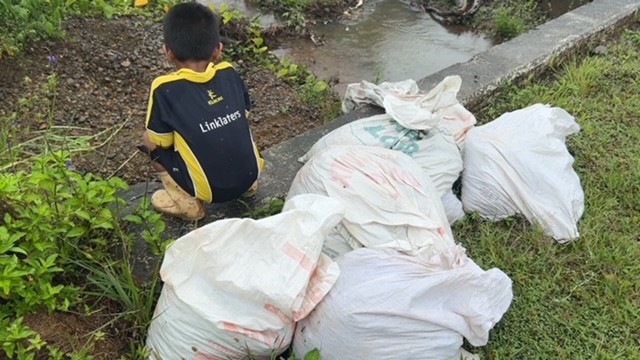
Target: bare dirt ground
[(104, 71)]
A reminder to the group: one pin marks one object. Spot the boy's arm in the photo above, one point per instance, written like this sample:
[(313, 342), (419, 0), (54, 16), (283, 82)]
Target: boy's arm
[(160, 133)]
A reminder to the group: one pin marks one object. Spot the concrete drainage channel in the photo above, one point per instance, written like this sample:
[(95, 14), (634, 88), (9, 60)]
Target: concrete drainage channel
[(575, 32)]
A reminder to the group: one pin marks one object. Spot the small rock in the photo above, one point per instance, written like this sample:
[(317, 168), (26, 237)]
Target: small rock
[(126, 63), (600, 50)]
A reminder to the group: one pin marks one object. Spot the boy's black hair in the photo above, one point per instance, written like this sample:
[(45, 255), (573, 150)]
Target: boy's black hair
[(191, 31)]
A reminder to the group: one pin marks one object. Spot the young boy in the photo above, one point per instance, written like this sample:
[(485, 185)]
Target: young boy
[(197, 130)]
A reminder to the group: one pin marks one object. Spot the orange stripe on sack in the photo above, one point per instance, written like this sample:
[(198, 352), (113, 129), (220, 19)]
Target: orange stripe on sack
[(279, 313), (297, 255), (251, 334)]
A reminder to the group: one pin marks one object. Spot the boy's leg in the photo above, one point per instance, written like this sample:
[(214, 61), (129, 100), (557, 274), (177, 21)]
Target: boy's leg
[(173, 199)]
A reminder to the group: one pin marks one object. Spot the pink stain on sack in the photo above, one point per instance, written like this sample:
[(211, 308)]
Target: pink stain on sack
[(341, 172), (343, 168), (298, 256), (259, 336), (316, 290), (279, 313)]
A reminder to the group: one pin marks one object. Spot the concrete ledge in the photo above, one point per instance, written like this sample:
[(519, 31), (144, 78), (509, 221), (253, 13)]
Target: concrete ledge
[(526, 55), (531, 53)]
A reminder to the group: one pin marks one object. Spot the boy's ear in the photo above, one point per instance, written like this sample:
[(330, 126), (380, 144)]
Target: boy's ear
[(169, 53), (217, 53)]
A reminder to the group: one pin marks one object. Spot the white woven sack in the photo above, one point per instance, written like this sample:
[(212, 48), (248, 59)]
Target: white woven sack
[(519, 164), (389, 200), (364, 92), (439, 108), (452, 207), (387, 306), (434, 151), (238, 286)]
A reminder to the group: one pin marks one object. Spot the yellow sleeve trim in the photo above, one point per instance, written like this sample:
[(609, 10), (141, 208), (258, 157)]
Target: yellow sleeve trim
[(162, 140)]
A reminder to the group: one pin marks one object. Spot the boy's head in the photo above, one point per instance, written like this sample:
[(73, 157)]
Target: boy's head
[(191, 32)]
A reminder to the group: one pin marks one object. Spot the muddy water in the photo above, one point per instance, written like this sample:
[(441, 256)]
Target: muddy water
[(386, 40)]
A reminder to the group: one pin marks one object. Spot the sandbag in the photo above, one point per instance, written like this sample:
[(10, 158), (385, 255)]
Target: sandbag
[(519, 164), (389, 200), (435, 151), (388, 306), (452, 207), (364, 92), (237, 286), (412, 108)]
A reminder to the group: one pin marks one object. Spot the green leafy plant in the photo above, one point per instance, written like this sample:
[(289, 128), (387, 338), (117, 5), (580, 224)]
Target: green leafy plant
[(152, 227), (49, 213), (378, 74), (18, 339), (272, 206)]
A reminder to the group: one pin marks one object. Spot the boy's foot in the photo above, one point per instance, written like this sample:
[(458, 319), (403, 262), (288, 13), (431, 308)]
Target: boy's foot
[(187, 209), (252, 190), (173, 200)]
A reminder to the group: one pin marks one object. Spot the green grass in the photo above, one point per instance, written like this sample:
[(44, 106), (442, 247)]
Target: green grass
[(581, 300)]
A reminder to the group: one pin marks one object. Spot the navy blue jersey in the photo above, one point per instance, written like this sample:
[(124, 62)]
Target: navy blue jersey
[(203, 116)]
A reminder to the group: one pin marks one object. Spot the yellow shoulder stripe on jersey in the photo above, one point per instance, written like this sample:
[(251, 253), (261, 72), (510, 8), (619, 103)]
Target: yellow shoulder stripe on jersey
[(186, 74)]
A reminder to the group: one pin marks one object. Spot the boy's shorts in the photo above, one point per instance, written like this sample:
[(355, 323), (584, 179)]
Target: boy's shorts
[(174, 164)]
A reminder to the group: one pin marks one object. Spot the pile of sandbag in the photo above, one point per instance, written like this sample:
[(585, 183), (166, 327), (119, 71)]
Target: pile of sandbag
[(429, 127), (237, 286), (362, 262), (515, 164), (406, 289)]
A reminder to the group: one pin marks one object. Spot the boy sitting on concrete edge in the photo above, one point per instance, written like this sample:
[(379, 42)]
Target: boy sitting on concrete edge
[(197, 132)]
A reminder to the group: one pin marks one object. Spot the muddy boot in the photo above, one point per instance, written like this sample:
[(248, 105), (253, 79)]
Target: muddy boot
[(173, 200), (252, 190)]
